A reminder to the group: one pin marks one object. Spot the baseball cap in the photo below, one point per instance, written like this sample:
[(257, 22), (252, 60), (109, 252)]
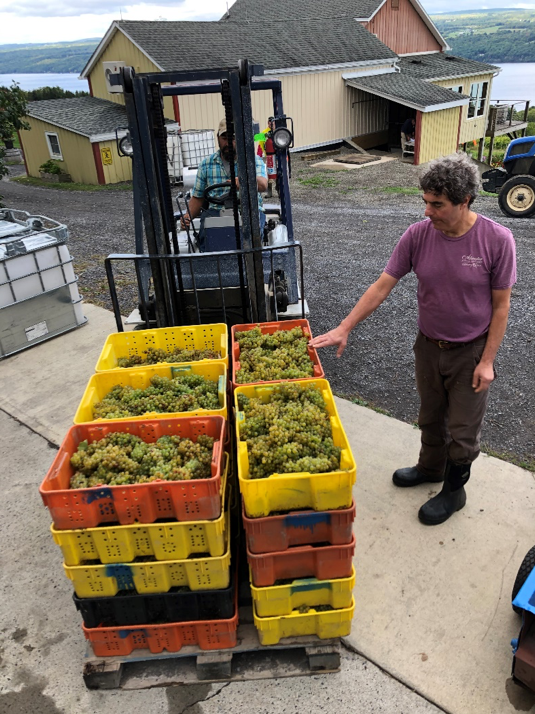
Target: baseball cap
[(222, 129)]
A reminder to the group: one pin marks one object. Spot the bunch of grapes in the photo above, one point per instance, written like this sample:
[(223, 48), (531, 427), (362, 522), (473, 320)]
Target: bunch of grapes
[(183, 393), (289, 434), (120, 459), (155, 356), (282, 355)]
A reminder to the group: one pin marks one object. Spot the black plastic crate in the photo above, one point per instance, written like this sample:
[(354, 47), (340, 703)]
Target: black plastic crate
[(177, 605)]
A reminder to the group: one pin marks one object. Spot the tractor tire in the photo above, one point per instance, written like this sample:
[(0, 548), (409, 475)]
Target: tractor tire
[(517, 197), (525, 569)]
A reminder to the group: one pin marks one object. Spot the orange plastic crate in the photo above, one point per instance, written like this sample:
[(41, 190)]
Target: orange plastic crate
[(193, 500), (275, 533), (207, 634), (268, 328), (324, 563)]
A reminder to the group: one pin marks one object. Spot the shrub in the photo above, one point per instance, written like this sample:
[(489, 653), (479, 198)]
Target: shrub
[(51, 167)]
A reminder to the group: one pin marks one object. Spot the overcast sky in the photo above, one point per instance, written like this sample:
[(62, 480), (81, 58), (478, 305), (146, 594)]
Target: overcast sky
[(63, 20)]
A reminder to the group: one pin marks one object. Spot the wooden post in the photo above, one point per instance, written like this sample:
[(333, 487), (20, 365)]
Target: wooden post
[(480, 149), (491, 149)]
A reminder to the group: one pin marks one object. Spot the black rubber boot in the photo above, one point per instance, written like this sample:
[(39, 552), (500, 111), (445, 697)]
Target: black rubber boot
[(451, 499), (410, 476)]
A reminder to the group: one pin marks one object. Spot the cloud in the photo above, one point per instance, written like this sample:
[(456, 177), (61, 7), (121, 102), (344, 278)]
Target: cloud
[(186, 9), (436, 6)]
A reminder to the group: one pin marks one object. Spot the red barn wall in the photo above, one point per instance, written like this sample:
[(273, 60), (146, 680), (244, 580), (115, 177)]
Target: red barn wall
[(402, 29)]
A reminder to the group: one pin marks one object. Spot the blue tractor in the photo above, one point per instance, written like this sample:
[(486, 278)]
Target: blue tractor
[(515, 183)]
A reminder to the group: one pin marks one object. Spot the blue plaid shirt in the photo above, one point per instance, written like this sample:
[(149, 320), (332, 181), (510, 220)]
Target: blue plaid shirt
[(212, 170)]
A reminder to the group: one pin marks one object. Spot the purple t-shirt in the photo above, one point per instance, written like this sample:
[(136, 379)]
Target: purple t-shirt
[(456, 275)]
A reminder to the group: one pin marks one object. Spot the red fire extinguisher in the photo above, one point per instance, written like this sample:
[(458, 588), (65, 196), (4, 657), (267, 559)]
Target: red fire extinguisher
[(269, 148)]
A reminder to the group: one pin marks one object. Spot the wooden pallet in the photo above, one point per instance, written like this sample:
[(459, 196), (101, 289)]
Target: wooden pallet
[(291, 657)]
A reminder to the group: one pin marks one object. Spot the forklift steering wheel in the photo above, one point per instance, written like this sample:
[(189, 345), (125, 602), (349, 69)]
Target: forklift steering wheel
[(218, 200)]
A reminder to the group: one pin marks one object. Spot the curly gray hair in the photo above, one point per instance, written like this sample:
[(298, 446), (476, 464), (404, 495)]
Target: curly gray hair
[(456, 176)]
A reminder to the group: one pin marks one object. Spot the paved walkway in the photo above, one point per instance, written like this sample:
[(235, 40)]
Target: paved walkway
[(433, 604)]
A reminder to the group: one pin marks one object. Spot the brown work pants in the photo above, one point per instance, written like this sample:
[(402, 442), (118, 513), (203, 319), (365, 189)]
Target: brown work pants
[(451, 413)]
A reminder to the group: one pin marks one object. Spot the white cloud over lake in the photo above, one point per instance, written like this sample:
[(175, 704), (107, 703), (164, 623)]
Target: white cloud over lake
[(63, 20)]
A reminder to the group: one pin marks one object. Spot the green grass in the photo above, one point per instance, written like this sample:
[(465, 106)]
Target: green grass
[(528, 464), (319, 181), (31, 181)]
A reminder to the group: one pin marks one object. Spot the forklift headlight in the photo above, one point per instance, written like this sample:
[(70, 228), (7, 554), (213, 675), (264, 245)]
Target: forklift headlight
[(125, 145), (282, 137)]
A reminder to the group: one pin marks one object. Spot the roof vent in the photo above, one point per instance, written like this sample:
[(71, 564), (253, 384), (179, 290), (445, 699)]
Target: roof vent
[(451, 58), (416, 61)]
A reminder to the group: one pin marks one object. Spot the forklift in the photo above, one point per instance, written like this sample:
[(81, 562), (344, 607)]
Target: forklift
[(246, 276)]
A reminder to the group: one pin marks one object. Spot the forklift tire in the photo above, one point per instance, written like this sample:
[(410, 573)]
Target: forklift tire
[(525, 569), (517, 197)]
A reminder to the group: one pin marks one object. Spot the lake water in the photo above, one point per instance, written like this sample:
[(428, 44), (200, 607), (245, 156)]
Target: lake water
[(515, 82), (27, 82)]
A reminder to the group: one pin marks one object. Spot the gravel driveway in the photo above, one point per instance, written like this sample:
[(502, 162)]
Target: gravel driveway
[(348, 223)]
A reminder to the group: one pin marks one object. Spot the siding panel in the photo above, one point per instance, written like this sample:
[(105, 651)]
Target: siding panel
[(475, 128), (121, 167), (402, 30), (121, 49), (320, 104), (76, 151), (438, 134)]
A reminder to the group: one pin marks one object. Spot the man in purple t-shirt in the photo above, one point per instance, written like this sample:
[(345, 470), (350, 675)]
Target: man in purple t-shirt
[(465, 265)]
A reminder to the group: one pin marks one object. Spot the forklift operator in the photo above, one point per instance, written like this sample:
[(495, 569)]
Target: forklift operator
[(215, 169), (465, 265)]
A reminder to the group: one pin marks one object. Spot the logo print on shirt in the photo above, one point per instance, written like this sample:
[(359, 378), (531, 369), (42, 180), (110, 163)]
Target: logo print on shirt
[(469, 261)]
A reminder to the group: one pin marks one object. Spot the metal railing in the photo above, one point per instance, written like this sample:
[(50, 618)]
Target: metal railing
[(502, 112), (212, 283)]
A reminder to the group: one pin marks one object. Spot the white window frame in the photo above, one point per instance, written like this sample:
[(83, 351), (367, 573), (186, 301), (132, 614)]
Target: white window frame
[(458, 89), (478, 102), (53, 155)]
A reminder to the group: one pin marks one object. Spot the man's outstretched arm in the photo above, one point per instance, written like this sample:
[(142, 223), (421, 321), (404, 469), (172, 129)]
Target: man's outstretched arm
[(374, 296)]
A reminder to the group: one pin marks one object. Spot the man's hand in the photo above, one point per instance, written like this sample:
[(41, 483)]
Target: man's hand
[(338, 336), (483, 376), (185, 222)]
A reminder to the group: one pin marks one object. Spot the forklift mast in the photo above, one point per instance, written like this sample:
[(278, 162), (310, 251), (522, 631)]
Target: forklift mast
[(143, 94)]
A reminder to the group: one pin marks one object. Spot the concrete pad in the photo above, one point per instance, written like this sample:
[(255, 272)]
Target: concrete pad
[(42, 646), (332, 165), (434, 603), (43, 385)]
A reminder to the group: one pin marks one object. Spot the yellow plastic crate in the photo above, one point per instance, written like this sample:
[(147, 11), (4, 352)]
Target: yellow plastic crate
[(195, 337), (326, 625), (152, 576), (162, 541), (290, 492), (280, 600), (101, 384)]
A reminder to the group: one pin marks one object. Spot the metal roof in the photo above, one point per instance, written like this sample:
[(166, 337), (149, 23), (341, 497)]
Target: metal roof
[(409, 91), (443, 66), (87, 116), (303, 43)]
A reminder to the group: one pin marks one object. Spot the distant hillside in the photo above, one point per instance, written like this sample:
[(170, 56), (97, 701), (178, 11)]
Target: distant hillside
[(490, 35), (46, 57)]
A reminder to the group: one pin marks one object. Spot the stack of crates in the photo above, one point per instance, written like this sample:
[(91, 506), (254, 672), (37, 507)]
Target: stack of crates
[(39, 296), (298, 526), (151, 562)]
